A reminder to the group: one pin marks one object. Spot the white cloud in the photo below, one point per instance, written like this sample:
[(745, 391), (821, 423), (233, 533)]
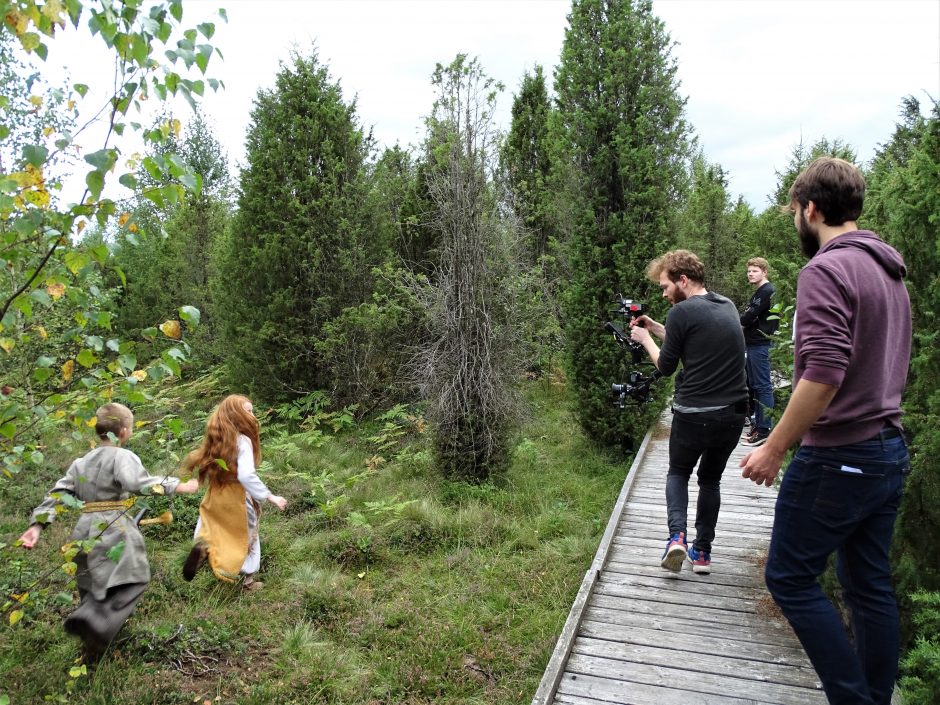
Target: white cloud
[(759, 74)]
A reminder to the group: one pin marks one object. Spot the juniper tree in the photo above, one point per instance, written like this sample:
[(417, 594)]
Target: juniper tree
[(526, 161), (624, 137), (902, 206), (302, 244)]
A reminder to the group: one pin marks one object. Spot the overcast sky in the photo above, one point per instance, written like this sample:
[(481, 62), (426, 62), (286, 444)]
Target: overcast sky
[(759, 75)]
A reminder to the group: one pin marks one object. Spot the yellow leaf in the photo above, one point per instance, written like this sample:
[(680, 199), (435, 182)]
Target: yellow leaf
[(139, 375), (42, 332), (56, 291), (35, 100), (53, 10), (92, 422), (7, 344), (15, 616), (46, 131), (360, 575), (123, 219), (80, 226), (71, 105), (38, 198), (132, 227), (70, 568), (67, 369), (20, 597), (18, 21), (171, 329), (175, 126)]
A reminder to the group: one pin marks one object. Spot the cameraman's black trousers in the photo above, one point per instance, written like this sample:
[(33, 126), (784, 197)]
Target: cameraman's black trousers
[(709, 437)]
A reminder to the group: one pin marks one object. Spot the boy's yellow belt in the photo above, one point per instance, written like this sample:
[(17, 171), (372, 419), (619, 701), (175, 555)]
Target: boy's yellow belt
[(112, 506)]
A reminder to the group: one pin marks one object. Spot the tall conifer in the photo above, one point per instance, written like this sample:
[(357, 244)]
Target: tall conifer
[(302, 245), (624, 138)]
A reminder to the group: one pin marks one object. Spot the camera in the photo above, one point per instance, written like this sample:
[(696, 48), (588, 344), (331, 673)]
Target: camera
[(638, 389)]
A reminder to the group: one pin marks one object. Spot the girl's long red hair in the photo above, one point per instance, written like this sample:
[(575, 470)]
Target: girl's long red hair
[(229, 419)]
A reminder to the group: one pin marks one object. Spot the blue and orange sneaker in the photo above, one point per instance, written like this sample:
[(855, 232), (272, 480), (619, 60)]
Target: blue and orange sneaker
[(676, 551), (701, 561)]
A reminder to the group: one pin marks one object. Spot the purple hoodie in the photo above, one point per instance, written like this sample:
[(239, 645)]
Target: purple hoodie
[(853, 331)]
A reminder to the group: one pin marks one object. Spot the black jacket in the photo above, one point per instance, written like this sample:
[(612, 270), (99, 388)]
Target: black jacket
[(758, 323)]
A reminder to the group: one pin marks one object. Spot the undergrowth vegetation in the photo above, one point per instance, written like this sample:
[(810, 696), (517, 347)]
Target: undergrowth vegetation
[(383, 582)]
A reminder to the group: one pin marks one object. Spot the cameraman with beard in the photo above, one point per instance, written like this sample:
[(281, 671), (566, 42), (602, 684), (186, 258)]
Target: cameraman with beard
[(703, 332), (843, 487)]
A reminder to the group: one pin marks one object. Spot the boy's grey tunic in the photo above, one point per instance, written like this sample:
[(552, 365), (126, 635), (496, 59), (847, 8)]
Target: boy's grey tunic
[(108, 473)]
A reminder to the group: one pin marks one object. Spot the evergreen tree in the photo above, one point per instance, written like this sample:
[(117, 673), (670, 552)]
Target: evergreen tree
[(904, 193), (623, 140), (705, 226), (466, 369), (304, 241), (164, 249), (402, 182), (772, 235), (526, 161)]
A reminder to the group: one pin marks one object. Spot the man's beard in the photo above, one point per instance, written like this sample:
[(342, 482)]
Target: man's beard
[(678, 296), (809, 240)]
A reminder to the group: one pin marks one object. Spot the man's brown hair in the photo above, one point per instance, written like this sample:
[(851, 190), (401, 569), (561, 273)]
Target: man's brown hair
[(675, 263), (760, 263), (835, 186), (111, 418)]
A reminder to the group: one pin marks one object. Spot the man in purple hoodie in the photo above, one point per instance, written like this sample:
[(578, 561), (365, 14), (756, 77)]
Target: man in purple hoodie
[(842, 489)]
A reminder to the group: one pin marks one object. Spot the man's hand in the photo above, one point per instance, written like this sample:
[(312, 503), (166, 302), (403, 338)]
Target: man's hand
[(645, 322), (762, 465), (640, 335)]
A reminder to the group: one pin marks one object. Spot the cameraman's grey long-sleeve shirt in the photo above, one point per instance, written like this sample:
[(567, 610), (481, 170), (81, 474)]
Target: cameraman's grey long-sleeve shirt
[(704, 334)]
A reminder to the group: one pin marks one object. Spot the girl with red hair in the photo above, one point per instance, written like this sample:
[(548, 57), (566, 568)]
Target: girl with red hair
[(227, 531)]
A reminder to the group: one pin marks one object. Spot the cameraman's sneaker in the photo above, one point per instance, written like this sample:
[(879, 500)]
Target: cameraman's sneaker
[(676, 551), (701, 561), (758, 438)]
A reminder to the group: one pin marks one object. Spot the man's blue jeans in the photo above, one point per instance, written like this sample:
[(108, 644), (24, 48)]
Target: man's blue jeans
[(842, 499), (707, 438), (758, 379)]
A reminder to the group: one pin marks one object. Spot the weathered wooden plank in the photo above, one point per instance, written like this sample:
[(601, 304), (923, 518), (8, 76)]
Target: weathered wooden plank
[(639, 638), (651, 509), (753, 620), (621, 692), (692, 682), (630, 527), (681, 596), (702, 664), (684, 583), (693, 624), (659, 544), (721, 562), (718, 577)]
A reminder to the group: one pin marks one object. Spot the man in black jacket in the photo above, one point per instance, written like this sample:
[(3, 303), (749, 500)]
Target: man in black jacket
[(759, 326)]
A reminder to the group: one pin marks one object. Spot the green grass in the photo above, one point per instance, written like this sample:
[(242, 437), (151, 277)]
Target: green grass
[(382, 585)]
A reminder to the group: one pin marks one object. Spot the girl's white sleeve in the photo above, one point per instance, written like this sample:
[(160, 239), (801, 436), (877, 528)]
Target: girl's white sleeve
[(246, 471)]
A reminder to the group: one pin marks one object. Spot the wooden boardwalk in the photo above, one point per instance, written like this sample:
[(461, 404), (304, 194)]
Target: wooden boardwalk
[(640, 635)]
